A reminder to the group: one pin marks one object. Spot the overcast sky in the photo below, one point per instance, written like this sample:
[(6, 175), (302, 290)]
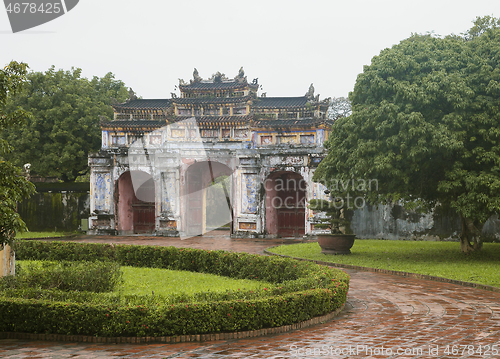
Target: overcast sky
[(287, 45)]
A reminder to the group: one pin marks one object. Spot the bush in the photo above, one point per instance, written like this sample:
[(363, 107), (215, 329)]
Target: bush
[(299, 291), (67, 276)]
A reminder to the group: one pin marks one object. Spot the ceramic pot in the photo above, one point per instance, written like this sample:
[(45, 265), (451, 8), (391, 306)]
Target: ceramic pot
[(336, 243)]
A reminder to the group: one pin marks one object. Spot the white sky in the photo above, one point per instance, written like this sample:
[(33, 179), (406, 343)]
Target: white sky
[(286, 44)]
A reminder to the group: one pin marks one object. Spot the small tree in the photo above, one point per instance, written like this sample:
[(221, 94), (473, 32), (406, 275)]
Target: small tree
[(13, 185), (426, 125), (335, 213)]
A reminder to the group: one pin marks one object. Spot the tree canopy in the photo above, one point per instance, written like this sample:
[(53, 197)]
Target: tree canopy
[(13, 185), (426, 125), (65, 127)]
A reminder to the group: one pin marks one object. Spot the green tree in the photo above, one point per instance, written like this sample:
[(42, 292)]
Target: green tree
[(13, 185), (426, 125), (65, 124)]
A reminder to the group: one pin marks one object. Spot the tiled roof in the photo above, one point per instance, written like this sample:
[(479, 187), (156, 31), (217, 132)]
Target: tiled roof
[(208, 100), (135, 124), (280, 102), (312, 122), (211, 85), (149, 104), (218, 121)]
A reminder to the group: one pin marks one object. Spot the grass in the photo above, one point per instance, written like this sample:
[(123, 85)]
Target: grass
[(43, 234), (163, 282), (441, 259), (141, 281)]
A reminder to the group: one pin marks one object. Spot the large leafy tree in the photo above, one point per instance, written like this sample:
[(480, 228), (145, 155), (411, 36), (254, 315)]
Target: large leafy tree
[(426, 125), (65, 127), (13, 185)]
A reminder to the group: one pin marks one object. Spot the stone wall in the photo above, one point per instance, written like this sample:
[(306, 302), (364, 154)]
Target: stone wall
[(394, 222)]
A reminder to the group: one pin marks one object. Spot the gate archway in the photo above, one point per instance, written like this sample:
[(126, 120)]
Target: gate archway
[(136, 203), (207, 201), (285, 204)]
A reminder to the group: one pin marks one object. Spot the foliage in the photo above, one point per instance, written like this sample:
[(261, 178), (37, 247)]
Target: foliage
[(334, 210), (299, 292), (13, 185), (440, 259), (94, 276), (65, 124), (426, 125)]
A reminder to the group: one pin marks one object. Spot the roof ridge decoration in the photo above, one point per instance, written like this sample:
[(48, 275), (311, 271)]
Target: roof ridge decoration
[(241, 75), (196, 76), (131, 95), (310, 92)]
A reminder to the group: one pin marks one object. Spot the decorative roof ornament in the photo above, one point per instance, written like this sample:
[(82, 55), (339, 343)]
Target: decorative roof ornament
[(310, 93), (196, 76), (218, 77), (182, 82), (255, 81), (131, 95), (241, 75)]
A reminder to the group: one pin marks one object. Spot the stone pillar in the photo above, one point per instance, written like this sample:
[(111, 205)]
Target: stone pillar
[(102, 217)]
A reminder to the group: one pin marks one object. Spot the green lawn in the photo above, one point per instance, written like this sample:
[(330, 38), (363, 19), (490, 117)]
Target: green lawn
[(43, 234), (441, 259), (143, 281), (163, 282)]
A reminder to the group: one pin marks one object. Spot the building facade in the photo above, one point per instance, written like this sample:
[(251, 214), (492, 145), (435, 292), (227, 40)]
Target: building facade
[(219, 154)]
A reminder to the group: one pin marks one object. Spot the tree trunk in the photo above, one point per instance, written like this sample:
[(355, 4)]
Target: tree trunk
[(7, 261), (470, 238)]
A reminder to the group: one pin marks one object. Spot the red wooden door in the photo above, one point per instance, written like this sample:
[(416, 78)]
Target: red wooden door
[(144, 216), (291, 222), (291, 215)]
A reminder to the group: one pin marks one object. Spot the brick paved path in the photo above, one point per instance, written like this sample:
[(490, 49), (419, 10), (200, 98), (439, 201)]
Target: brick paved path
[(385, 317)]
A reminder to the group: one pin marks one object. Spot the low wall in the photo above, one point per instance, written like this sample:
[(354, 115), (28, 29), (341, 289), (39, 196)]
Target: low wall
[(394, 222)]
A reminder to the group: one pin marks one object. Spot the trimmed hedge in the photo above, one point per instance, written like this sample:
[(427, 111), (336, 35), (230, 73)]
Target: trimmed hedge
[(300, 291)]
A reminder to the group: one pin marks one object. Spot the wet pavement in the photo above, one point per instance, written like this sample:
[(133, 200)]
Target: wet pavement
[(386, 316)]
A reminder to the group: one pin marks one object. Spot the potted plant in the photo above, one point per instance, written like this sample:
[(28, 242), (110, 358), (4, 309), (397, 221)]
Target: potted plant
[(340, 239)]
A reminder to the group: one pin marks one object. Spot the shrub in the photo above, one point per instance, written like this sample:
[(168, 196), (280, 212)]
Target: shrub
[(67, 276), (299, 291)]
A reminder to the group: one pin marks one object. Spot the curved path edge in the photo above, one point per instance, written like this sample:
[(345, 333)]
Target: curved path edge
[(174, 339), (394, 272)]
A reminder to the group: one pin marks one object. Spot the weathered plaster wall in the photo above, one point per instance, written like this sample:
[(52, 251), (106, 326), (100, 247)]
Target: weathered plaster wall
[(394, 222)]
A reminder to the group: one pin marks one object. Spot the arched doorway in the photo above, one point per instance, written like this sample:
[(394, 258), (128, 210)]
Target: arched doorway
[(207, 197), (285, 204), (136, 203)]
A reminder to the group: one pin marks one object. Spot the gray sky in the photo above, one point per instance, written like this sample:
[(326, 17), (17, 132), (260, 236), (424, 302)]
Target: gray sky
[(286, 44)]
